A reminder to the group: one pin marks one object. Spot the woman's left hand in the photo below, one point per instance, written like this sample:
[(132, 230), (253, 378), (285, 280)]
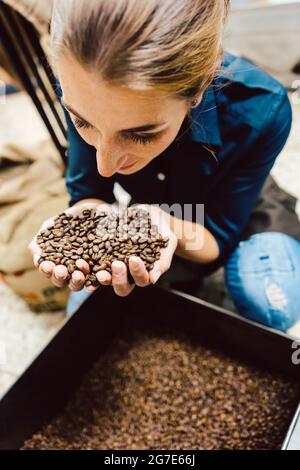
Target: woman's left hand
[(142, 278)]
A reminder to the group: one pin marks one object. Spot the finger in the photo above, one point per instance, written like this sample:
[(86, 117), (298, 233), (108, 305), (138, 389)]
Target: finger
[(59, 276), (46, 268), (155, 273), (160, 266), (104, 277), (83, 266), (138, 271), (120, 282), (77, 281), (35, 251), (91, 288), (164, 262), (36, 257)]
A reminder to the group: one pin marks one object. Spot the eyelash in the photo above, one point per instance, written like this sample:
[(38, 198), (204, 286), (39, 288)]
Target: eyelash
[(145, 139)]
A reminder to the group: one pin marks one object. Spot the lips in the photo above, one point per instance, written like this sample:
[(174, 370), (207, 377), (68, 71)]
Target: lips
[(127, 166)]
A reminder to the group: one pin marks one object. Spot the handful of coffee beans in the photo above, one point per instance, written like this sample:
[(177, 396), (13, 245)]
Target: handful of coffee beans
[(99, 238)]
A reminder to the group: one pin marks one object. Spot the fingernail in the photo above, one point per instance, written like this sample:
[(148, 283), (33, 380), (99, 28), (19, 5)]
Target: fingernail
[(156, 277), (47, 270), (118, 269)]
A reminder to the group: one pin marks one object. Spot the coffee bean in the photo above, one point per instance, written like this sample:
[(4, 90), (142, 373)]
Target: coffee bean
[(179, 394), (71, 268), (75, 237), (58, 233)]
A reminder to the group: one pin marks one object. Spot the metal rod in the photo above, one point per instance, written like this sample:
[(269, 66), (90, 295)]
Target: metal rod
[(19, 22), (20, 68)]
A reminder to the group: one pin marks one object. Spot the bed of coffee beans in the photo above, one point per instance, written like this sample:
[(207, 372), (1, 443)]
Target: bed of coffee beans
[(99, 238), (156, 389)]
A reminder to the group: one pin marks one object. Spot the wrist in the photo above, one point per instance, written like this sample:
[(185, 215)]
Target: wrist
[(89, 201)]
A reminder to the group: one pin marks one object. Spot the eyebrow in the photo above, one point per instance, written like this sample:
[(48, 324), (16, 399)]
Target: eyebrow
[(146, 127)]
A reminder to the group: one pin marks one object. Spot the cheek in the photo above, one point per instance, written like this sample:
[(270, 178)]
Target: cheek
[(153, 150), (163, 143)]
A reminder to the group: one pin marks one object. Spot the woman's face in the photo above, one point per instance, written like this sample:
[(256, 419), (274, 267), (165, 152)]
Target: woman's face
[(128, 128)]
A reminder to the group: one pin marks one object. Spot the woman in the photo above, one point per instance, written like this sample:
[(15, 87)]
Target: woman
[(153, 103)]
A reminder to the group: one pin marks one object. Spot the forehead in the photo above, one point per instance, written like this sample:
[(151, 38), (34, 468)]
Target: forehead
[(90, 96)]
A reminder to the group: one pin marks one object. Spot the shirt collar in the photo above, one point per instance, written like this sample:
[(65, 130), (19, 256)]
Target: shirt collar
[(204, 120)]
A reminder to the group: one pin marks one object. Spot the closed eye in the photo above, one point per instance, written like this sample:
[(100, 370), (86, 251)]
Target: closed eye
[(137, 138), (79, 124), (143, 139)]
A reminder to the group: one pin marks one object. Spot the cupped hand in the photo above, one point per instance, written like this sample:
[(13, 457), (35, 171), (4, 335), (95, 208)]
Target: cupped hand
[(59, 274), (141, 277)]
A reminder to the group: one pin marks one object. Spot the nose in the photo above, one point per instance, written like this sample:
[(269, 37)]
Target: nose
[(107, 160)]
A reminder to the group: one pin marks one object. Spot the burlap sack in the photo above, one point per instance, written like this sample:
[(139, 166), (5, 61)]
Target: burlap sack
[(32, 189)]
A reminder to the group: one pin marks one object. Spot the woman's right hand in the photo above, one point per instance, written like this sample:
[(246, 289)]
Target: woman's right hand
[(59, 274)]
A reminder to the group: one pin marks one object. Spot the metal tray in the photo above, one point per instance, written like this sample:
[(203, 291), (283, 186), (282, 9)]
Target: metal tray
[(46, 385)]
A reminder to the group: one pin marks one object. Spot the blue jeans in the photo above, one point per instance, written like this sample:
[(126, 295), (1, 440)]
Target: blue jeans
[(262, 276), (75, 300), (263, 279)]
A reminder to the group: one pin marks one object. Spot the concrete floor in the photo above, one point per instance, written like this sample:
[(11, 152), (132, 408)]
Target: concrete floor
[(23, 335)]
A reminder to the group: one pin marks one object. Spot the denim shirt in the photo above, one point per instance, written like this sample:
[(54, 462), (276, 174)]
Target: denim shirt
[(221, 156)]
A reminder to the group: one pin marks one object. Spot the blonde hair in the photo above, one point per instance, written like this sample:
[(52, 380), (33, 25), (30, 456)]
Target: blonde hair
[(174, 46)]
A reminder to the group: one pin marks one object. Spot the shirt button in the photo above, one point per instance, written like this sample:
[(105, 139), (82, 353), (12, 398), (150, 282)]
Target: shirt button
[(161, 176)]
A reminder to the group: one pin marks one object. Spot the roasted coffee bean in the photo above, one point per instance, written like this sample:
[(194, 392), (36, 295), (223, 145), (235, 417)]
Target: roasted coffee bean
[(178, 394), (75, 237), (58, 233), (71, 268)]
